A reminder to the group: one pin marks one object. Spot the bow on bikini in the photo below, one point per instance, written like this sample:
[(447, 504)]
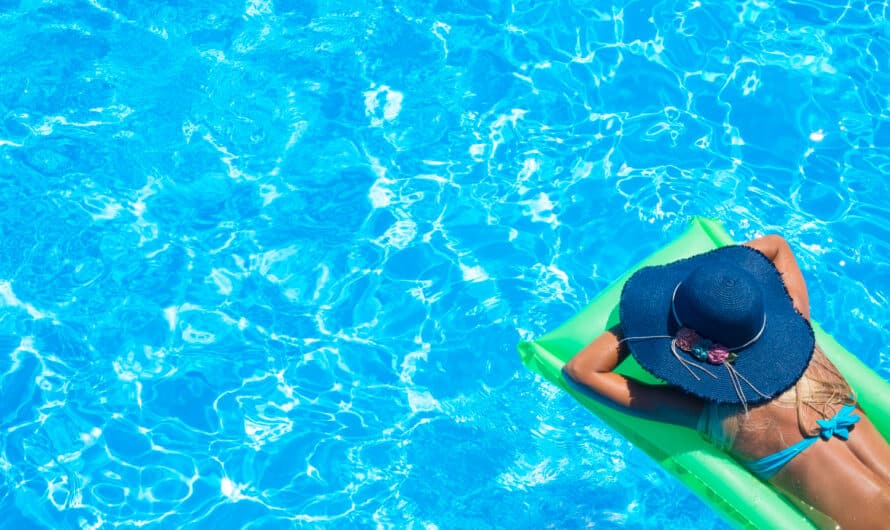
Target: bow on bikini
[(839, 425)]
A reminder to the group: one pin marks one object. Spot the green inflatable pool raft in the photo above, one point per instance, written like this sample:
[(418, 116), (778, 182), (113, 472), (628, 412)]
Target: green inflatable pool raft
[(728, 488)]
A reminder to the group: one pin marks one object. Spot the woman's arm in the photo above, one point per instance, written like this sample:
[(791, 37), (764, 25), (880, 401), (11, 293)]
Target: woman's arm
[(779, 252), (593, 368)]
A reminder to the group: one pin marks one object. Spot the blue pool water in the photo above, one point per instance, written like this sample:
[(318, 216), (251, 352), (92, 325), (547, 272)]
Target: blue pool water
[(264, 264)]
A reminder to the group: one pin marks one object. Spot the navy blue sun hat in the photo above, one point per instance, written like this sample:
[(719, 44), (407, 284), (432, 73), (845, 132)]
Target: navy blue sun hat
[(720, 325)]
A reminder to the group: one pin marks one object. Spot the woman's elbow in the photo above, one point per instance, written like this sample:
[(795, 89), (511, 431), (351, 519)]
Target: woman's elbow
[(770, 245), (572, 370), (778, 243)]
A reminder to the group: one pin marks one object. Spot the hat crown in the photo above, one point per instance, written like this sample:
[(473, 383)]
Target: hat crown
[(721, 303)]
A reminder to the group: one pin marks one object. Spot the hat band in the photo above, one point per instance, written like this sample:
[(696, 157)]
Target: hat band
[(735, 378), (743, 346)]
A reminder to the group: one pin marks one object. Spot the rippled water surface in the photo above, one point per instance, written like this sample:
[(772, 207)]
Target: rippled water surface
[(265, 264)]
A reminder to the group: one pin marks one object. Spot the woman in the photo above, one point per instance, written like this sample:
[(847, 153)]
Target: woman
[(729, 332)]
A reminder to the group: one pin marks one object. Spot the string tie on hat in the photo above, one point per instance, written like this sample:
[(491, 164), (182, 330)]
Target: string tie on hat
[(705, 350), (708, 351)]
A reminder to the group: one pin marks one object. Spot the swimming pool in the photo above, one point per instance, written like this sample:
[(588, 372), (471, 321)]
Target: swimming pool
[(264, 264)]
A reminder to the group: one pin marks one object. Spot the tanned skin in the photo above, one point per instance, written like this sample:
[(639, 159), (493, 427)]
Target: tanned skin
[(844, 482)]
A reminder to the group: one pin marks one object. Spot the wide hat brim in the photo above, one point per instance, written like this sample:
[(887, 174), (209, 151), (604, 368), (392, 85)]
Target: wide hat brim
[(772, 363)]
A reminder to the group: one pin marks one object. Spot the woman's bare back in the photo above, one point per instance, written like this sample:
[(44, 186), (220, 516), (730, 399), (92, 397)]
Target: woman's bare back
[(847, 481)]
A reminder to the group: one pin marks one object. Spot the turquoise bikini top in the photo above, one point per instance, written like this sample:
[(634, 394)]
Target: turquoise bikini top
[(838, 426)]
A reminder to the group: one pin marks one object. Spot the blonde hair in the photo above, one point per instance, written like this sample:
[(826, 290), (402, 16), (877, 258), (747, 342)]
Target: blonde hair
[(817, 393)]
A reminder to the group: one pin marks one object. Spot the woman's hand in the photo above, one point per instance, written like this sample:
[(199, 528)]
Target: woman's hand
[(778, 251)]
